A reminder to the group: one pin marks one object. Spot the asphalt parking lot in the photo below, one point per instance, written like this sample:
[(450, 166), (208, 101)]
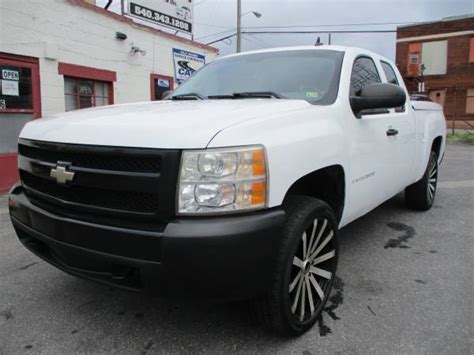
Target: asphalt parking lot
[(405, 285)]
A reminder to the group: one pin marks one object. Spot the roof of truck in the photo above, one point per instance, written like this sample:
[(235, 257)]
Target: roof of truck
[(315, 48)]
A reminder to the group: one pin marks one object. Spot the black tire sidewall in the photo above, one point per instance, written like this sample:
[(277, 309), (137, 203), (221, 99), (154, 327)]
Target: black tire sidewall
[(433, 160), (304, 215), (416, 195)]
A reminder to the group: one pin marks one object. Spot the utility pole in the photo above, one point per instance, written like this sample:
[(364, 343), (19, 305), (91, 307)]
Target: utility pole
[(239, 30)]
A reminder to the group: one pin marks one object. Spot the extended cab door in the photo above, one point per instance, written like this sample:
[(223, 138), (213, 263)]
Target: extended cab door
[(374, 153), (403, 141)]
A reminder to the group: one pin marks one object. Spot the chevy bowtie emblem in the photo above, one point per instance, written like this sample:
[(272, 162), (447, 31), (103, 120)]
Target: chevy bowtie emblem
[(61, 174)]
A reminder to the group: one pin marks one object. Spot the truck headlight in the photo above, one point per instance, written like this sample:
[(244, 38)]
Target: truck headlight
[(222, 180)]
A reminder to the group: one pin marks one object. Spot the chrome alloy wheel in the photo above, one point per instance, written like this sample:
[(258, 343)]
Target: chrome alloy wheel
[(432, 180), (313, 268)]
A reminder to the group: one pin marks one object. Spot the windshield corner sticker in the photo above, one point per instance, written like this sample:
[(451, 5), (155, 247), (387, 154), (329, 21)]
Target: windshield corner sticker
[(186, 63), (312, 94)]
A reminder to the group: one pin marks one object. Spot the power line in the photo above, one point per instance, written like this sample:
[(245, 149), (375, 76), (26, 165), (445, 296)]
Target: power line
[(213, 14), (302, 26), (261, 41), (305, 26), (329, 31), (298, 32), (210, 25), (222, 39), (248, 39), (214, 34), (336, 25), (318, 31)]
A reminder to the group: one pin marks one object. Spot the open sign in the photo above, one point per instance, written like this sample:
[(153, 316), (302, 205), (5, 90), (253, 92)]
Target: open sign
[(8, 74)]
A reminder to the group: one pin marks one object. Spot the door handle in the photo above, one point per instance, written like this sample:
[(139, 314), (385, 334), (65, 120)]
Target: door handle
[(392, 132)]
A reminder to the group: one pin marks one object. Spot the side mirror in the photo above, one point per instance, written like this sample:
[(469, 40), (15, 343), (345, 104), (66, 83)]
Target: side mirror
[(378, 96)]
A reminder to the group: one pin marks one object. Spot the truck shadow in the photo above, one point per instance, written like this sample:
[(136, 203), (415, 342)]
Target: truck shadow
[(165, 325)]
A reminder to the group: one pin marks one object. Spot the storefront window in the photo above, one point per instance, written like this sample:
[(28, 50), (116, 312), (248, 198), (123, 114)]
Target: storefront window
[(83, 93), (162, 87), (15, 88)]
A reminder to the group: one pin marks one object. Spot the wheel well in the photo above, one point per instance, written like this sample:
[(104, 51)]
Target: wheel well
[(436, 147), (327, 184)]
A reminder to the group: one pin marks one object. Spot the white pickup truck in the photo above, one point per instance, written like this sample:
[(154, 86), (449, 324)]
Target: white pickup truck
[(234, 188)]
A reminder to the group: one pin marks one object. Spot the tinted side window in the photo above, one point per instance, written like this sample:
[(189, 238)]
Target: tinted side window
[(364, 73), (392, 79), (389, 73)]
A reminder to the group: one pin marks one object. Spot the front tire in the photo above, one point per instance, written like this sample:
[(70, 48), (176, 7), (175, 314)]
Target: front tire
[(420, 196), (305, 268)]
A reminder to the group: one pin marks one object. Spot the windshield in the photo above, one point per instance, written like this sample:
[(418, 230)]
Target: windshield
[(311, 75)]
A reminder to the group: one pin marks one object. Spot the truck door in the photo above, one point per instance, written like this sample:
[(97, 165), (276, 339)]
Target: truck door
[(373, 176), (402, 143)]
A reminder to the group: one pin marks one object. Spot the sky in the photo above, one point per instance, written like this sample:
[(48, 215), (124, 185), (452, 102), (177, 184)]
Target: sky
[(215, 19)]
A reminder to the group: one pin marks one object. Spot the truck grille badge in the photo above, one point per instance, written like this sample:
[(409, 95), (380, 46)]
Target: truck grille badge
[(61, 174)]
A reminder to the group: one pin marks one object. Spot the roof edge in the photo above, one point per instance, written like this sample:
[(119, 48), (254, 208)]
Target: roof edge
[(444, 19), (123, 19)]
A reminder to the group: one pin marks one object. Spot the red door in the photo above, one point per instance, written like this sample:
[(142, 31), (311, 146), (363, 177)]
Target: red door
[(19, 103)]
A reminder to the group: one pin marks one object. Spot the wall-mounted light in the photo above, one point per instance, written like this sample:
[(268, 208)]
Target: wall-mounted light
[(121, 36)]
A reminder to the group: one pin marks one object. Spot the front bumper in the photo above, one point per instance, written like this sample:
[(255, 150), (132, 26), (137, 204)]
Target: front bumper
[(224, 258)]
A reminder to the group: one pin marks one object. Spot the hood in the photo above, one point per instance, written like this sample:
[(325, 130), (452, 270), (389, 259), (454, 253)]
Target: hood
[(165, 124)]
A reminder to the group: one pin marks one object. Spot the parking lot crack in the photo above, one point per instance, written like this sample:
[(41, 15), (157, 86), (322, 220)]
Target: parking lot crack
[(27, 266)]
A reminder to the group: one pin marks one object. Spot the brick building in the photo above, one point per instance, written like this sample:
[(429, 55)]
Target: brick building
[(441, 56)]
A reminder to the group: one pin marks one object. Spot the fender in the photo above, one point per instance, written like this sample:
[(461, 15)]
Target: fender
[(297, 144), (430, 124)]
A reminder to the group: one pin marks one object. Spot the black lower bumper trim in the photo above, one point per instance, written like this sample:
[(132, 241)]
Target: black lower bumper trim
[(218, 258)]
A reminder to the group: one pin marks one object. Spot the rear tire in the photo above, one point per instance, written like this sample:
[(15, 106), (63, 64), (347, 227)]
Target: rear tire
[(420, 196), (305, 268)]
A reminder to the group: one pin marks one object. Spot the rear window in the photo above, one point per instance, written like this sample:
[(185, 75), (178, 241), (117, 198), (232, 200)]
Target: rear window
[(389, 73)]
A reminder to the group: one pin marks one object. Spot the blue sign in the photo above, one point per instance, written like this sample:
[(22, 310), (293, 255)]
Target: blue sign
[(186, 63)]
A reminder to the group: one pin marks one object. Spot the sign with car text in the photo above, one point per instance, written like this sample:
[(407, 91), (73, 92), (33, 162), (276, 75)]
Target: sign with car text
[(175, 14), (186, 63)]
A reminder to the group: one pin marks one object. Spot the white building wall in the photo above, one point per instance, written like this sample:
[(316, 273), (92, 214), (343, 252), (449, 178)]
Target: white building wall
[(60, 31)]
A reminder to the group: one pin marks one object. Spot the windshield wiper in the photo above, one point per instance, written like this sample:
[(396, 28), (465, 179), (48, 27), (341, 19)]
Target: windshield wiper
[(221, 97), (189, 96), (261, 94), (243, 95)]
